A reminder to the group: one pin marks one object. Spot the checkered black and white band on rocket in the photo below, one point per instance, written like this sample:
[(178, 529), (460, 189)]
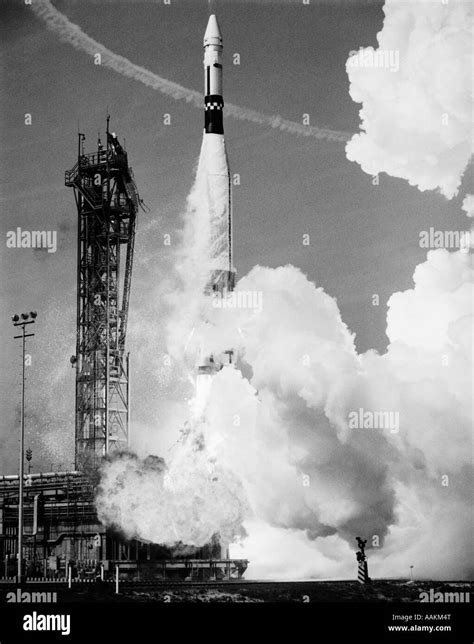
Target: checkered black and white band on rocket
[(213, 106)]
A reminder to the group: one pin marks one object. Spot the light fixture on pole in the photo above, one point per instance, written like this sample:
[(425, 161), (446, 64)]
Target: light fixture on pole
[(22, 321)]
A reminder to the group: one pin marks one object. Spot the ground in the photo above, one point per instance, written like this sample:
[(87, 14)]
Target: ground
[(242, 591)]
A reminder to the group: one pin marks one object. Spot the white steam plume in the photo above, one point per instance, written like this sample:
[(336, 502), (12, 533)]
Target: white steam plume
[(73, 34), (294, 469), (416, 95), (189, 501)]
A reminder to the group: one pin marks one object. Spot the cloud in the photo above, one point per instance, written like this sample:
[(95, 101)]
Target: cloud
[(416, 121)]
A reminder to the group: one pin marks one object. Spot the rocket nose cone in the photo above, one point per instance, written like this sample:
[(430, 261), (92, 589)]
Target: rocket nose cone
[(213, 34)]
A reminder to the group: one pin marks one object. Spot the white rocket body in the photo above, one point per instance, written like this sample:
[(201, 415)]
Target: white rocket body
[(217, 166)]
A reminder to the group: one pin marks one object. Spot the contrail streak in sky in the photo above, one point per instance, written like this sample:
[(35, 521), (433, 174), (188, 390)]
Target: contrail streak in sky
[(73, 34)]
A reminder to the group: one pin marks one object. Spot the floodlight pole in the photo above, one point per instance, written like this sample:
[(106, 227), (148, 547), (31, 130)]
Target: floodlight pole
[(23, 336)]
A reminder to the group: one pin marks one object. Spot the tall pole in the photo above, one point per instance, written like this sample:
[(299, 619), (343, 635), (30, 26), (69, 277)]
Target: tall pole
[(22, 451), (22, 322)]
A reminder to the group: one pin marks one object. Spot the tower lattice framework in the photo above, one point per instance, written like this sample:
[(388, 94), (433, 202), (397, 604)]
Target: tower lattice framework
[(107, 203)]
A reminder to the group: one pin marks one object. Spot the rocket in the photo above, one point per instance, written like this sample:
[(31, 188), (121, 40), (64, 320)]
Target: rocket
[(215, 167), (222, 279)]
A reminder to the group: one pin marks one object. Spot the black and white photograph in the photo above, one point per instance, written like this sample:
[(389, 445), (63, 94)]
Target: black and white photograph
[(236, 311)]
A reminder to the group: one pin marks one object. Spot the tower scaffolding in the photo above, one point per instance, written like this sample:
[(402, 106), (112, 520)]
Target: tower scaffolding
[(107, 203)]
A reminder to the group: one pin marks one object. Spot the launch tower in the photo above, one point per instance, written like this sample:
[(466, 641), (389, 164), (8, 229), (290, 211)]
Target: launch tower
[(107, 203)]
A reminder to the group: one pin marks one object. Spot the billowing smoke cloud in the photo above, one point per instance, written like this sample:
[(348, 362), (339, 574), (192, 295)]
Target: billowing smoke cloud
[(416, 95), (422, 317), (190, 501), (306, 471), (308, 478), (73, 34)]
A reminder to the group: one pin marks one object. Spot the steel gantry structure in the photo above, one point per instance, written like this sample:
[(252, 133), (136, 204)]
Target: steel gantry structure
[(107, 203)]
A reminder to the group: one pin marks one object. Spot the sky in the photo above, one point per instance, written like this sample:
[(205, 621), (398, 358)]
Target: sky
[(364, 234)]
